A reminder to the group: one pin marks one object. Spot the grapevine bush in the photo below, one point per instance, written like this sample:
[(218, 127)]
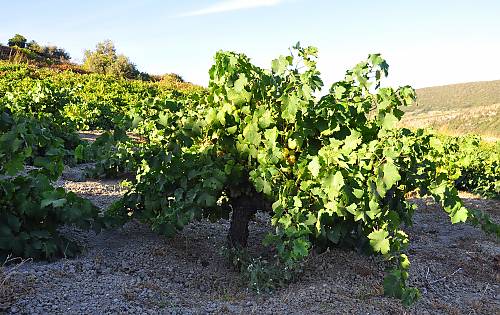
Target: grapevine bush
[(331, 171), (32, 210), (478, 163)]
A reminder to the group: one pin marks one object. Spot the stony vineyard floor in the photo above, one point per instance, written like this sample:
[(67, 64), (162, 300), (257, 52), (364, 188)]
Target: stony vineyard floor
[(131, 270)]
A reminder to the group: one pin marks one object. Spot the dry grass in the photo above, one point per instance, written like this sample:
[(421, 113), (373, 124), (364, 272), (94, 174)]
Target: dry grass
[(458, 109), (482, 120), (10, 289), (457, 96)]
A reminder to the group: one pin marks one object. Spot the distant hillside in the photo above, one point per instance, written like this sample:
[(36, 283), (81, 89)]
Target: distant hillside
[(458, 109)]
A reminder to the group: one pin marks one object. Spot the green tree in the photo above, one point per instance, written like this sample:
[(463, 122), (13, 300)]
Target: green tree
[(18, 40), (105, 60)]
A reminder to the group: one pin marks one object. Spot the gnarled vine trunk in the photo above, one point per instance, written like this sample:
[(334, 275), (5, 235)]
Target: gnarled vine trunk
[(244, 208)]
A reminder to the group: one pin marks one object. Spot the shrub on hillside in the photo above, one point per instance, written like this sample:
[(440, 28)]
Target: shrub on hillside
[(34, 46), (55, 52), (49, 51)]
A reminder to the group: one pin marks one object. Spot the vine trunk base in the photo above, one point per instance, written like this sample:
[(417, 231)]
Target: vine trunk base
[(244, 208)]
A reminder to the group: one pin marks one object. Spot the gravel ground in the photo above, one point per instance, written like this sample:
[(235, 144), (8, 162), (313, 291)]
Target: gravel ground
[(131, 270)]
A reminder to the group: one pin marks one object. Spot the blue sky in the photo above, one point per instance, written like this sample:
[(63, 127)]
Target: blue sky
[(426, 43)]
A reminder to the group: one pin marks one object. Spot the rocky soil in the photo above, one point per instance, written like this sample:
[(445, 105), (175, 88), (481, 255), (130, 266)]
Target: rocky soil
[(131, 270)]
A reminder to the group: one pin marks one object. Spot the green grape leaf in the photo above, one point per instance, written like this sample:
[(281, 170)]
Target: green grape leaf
[(391, 174), (291, 105), (379, 241), (136, 119), (13, 222), (314, 166), (279, 65), (15, 165), (410, 295), (333, 184), (460, 215), (163, 119), (262, 185), (207, 200), (265, 120), (300, 248), (374, 209), (436, 144), (389, 121), (56, 203), (252, 134), (393, 284), (239, 85)]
